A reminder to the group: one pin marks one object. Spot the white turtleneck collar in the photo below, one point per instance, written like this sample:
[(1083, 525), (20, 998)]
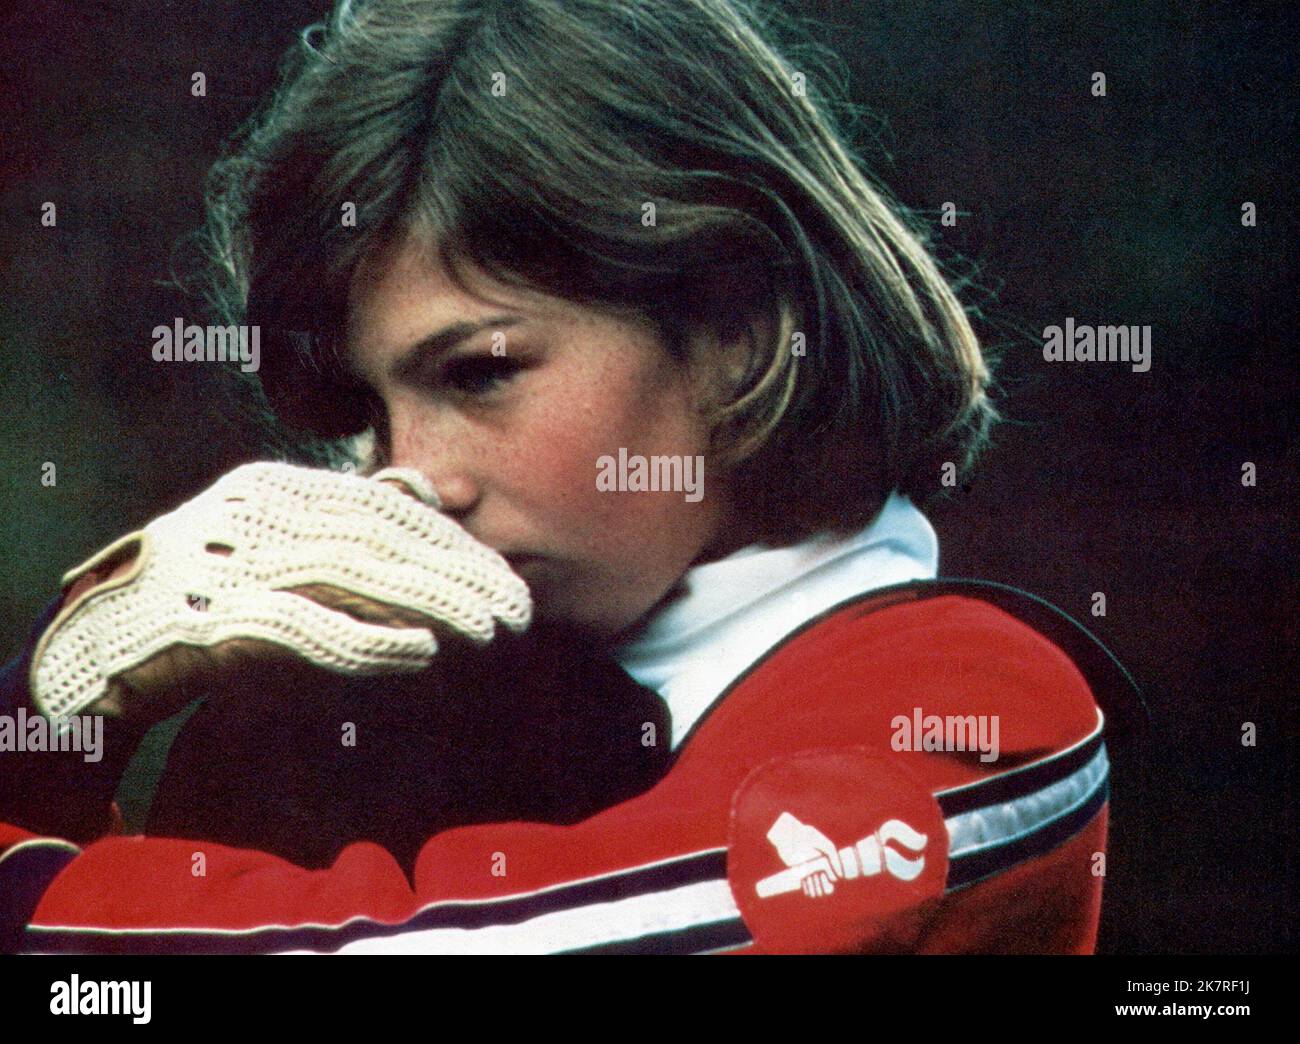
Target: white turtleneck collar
[(728, 613)]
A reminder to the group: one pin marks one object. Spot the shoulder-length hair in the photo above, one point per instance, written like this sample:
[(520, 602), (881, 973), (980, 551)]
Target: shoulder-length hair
[(526, 137)]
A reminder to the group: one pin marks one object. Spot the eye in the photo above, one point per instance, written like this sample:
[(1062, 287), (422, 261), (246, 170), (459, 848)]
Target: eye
[(479, 374)]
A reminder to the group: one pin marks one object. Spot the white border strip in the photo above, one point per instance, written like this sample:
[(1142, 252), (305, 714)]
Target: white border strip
[(355, 918), (38, 842), (995, 825), (677, 909)]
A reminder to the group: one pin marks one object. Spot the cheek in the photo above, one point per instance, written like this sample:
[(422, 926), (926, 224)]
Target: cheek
[(561, 472), (596, 417)]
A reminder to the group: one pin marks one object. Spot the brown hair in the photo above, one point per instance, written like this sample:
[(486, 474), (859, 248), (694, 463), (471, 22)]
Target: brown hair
[(524, 137)]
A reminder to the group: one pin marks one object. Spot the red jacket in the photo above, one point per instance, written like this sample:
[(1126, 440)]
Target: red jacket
[(789, 821)]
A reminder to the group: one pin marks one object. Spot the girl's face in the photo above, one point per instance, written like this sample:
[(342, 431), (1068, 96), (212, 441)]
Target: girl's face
[(507, 405)]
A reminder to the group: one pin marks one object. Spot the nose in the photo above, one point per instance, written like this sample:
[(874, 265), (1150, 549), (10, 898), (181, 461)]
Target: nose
[(458, 494), (440, 456)]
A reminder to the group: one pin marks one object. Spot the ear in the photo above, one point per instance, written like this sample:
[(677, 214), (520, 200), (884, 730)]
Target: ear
[(723, 363)]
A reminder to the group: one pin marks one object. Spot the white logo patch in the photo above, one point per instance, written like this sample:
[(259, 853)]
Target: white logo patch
[(815, 864)]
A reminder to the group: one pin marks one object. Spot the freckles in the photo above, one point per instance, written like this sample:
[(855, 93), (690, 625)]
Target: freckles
[(574, 429), (610, 392), (411, 441), (554, 470)]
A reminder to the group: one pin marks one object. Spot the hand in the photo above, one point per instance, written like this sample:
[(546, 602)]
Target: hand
[(273, 562), (799, 843)]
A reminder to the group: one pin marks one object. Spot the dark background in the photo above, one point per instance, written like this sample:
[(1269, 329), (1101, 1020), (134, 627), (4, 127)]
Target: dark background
[(1123, 209)]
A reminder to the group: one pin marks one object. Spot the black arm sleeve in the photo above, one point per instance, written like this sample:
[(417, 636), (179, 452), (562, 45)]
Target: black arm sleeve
[(534, 727)]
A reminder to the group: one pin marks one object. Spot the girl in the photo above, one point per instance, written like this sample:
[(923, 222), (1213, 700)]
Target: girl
[(495, 245)]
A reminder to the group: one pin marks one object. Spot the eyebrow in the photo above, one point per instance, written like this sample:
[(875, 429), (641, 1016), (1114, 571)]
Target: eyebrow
[(413, 359)]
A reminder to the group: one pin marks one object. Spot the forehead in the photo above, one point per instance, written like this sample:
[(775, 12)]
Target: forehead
[(402, 291)]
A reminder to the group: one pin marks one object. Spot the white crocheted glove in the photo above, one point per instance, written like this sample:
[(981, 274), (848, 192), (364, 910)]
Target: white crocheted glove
[(217, 568)]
